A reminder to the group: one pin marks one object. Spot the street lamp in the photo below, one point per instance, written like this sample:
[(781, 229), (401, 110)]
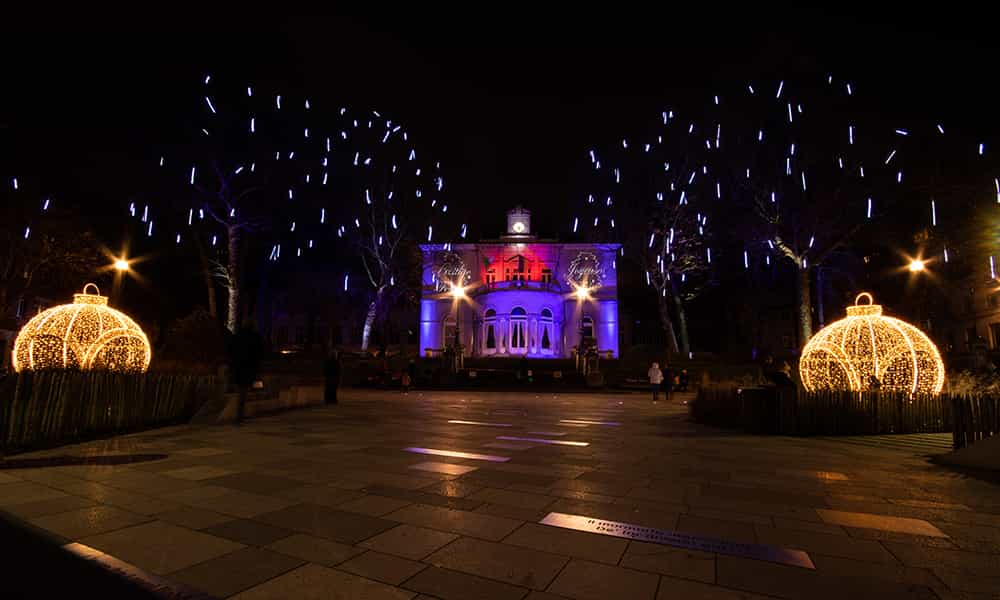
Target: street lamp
[(582, 293), (121, 264), (916, 265)]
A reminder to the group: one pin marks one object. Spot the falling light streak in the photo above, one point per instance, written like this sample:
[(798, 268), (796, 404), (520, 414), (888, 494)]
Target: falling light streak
[(850, 134), (211, 107), (891, 154), (869, 213), (746, 260), (781, 86), (933, 214)]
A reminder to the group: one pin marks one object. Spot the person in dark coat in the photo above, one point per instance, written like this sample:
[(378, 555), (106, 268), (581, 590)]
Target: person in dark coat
[(667, 385), (244, 365), (683, 381), (411, 370), (332, 369)]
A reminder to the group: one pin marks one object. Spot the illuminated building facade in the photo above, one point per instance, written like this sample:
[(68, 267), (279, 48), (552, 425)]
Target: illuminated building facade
[(519, 295)]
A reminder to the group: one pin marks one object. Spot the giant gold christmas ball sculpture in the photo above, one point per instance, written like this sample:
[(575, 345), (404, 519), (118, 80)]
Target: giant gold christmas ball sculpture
[(85, 335), (867, 350)]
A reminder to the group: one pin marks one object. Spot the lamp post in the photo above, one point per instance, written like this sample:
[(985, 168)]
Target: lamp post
[(121, 268), (457, 293)]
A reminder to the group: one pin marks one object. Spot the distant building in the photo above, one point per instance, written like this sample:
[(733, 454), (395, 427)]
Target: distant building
[(519, 295)]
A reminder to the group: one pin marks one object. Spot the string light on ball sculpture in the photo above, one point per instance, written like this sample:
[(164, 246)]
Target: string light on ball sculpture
[(86, 335), (867, 350)]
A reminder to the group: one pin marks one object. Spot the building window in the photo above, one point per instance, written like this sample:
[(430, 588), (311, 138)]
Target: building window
[(995, 334), (547, 330), (518, 331), (970, 337), (282, 335), (490, 335), (19, 311), (546, 276), (300, 335), (587, 327), (491, 277)]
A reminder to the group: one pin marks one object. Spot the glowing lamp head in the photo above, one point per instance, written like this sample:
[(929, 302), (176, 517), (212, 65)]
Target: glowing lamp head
[(582, 293), (916, 265), (121, 265), (518, 227), (457, 292)]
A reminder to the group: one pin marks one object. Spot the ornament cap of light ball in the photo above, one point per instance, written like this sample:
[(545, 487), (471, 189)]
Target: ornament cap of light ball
[(86, 335), (867, 350)]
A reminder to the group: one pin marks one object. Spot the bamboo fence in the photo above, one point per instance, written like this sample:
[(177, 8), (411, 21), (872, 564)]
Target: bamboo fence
[(788, 411), (46, 408)]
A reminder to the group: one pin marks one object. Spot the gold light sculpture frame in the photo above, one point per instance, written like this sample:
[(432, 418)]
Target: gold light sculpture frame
[(85, 335), (849, 353)]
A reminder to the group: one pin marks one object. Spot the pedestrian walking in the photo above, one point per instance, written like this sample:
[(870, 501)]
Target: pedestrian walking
[(655, 379), (411, 370), (332, 369), (667, 387)]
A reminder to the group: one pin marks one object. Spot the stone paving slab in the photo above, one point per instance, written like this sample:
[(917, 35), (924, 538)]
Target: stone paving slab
[(236, 571), (409, 541), (595, 581), (502, 562), (326, 503)]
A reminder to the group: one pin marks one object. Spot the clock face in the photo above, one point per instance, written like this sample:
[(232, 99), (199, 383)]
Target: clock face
[(518, 227)]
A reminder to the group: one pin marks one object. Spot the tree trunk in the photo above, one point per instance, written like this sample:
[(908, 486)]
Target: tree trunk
[(206, 274), (371, 318), (366, 333), (668, 325), (233, 309), (681, 321), (804, 307), (820, 317)]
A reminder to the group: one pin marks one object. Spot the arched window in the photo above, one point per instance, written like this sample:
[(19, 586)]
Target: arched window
[(547, 330), (490, 330), (518, 331), (587, 326)]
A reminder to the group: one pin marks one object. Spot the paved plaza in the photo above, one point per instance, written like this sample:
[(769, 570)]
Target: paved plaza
[(442, 495)]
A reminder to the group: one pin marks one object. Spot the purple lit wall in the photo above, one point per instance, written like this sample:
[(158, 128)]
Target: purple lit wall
[(518, 302)]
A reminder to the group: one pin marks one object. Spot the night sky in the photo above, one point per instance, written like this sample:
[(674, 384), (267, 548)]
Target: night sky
[(508, 100)]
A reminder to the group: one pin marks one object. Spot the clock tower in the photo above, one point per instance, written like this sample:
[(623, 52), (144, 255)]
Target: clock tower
[(518, 223)]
